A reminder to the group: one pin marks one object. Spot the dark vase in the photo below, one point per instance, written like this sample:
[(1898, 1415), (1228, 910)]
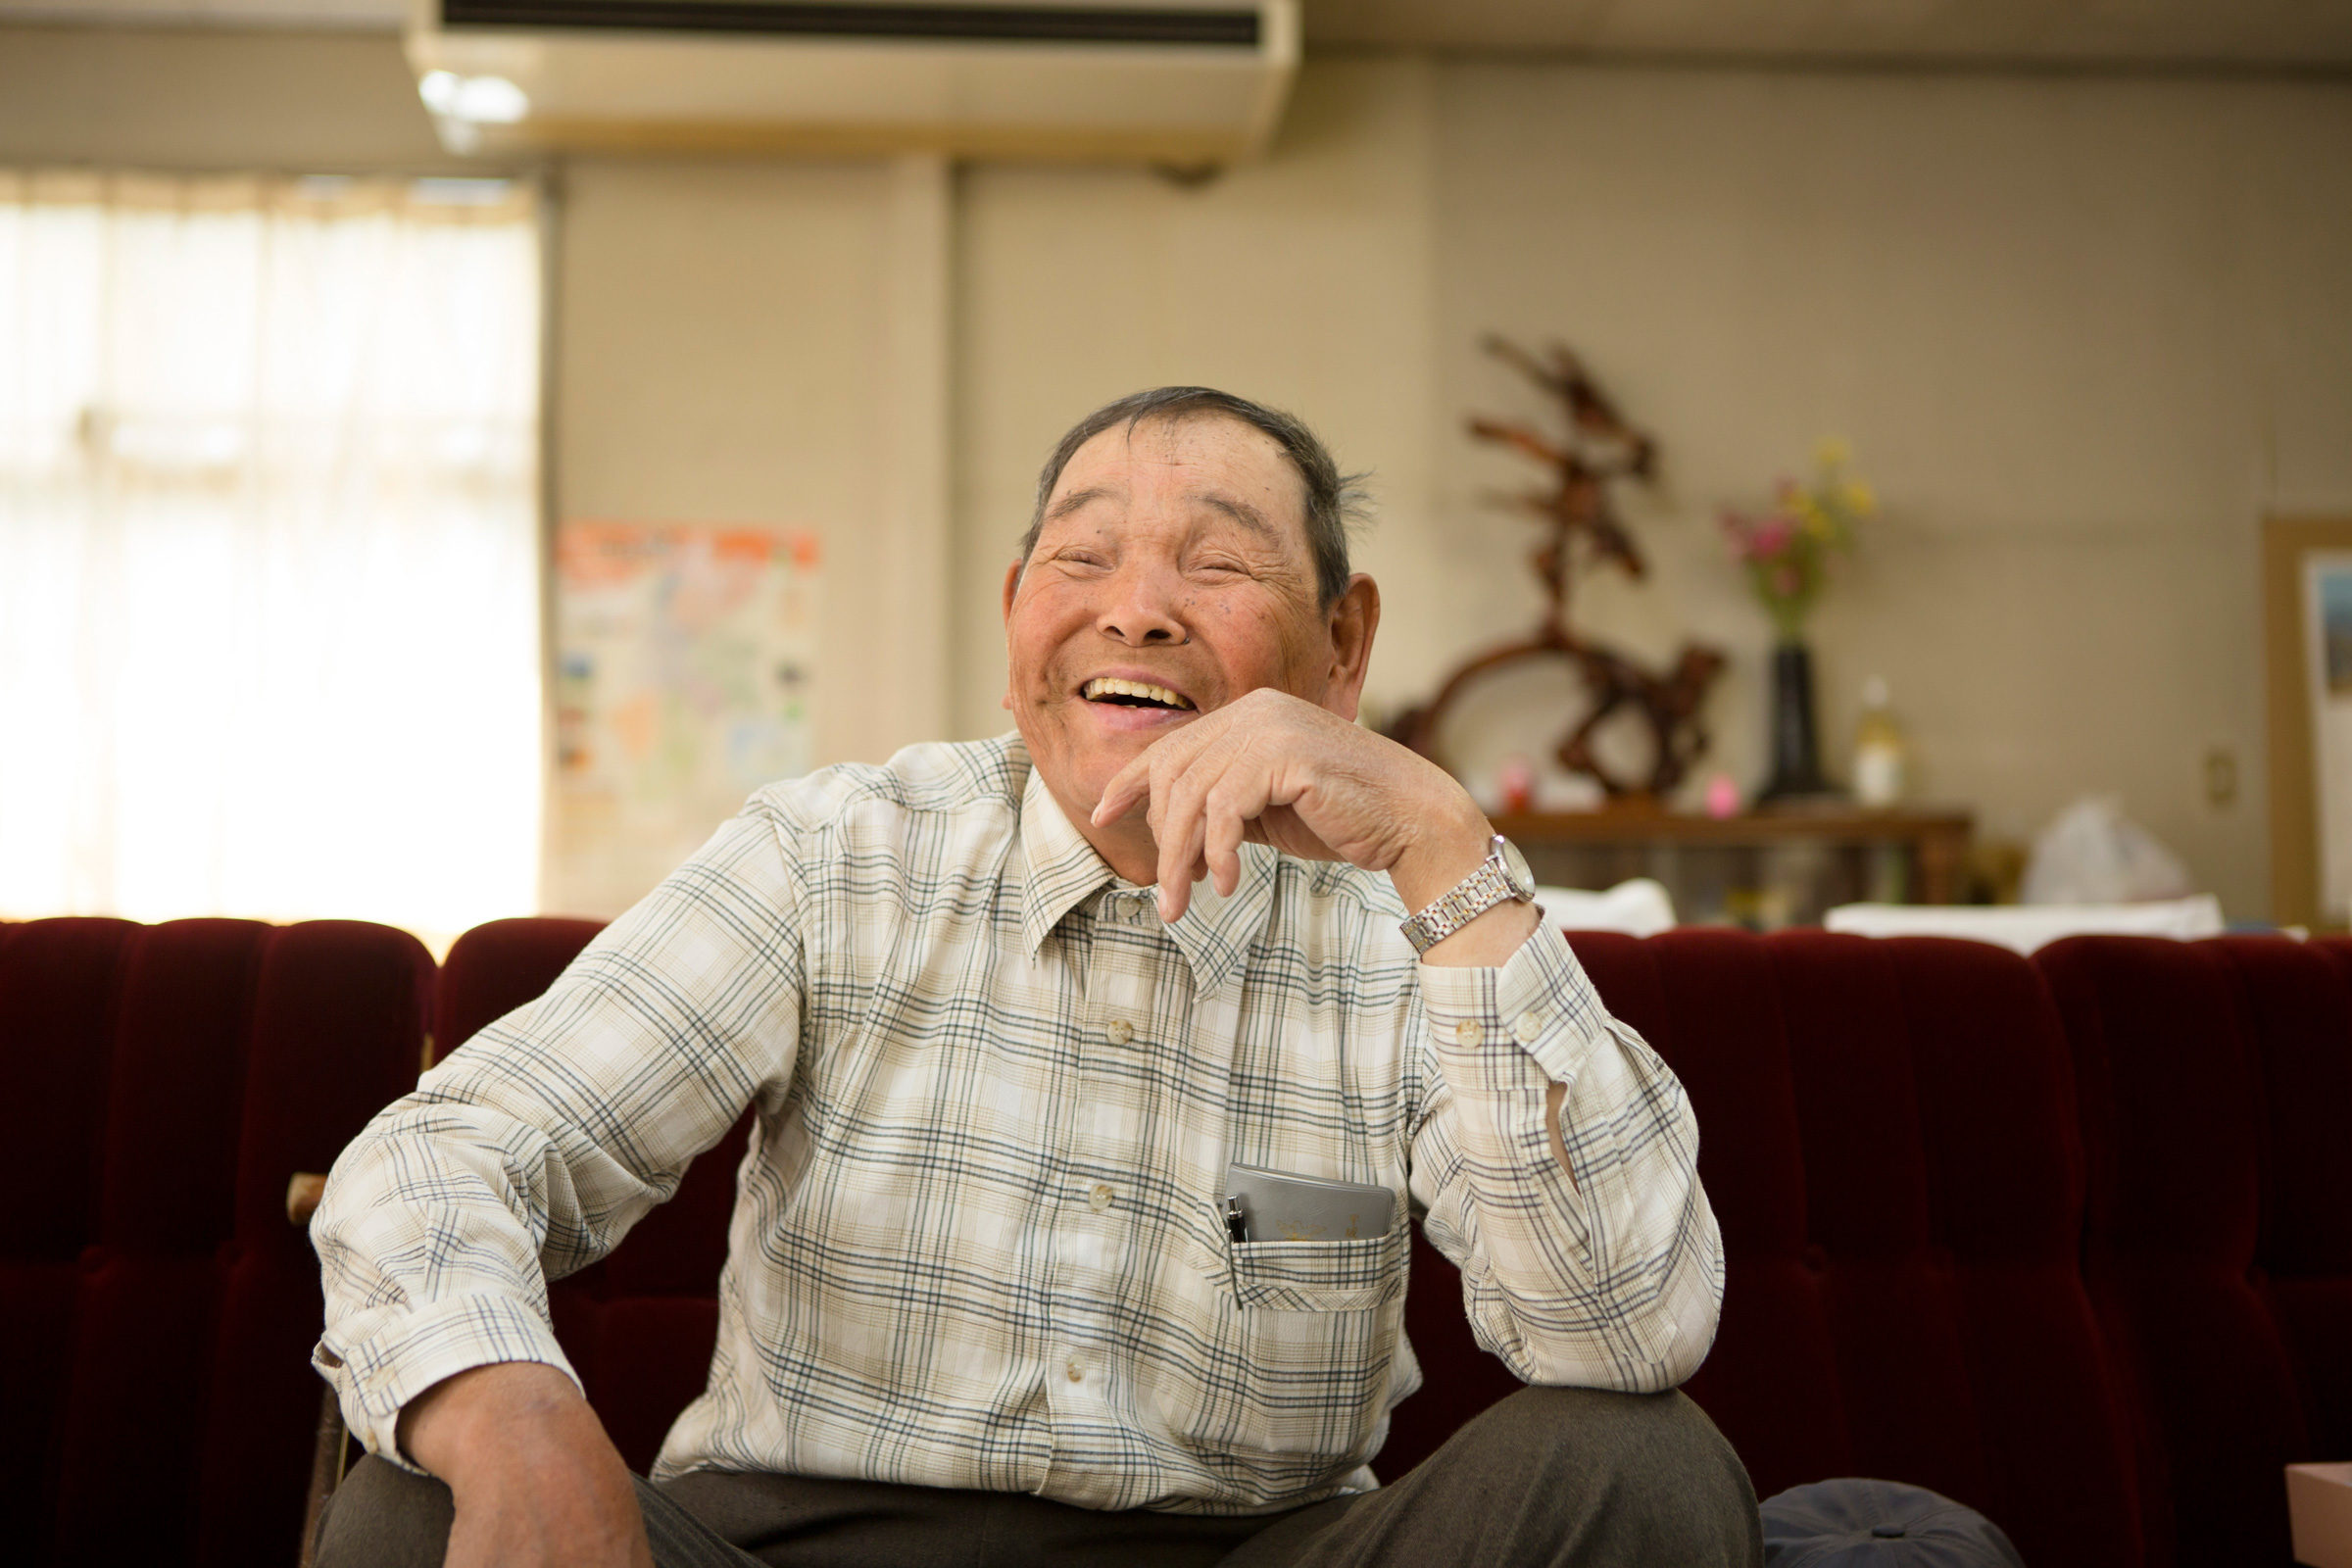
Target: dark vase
[(1795, 743)]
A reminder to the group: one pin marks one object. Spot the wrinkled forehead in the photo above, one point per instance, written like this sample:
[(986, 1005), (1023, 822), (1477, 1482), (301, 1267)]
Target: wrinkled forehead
[(1210, 463)]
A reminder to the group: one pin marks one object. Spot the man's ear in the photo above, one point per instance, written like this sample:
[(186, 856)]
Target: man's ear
[(1352, 619), (1012, 588)]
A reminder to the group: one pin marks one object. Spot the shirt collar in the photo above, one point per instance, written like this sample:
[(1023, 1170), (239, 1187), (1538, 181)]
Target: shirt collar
[(1216, 932), (1062, 870)]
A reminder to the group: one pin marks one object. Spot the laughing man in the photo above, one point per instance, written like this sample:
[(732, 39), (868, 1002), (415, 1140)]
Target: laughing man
[(1037, 1028)]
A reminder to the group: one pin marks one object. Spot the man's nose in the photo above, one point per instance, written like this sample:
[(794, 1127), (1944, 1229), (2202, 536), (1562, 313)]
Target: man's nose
[(1142, 611)]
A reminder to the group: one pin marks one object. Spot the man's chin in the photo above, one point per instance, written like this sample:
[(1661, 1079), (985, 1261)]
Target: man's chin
[(1097, 759), (1080, 759)]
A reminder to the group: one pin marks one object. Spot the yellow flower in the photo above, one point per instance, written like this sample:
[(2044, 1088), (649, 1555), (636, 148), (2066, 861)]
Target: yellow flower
[(1858, 497), (1833, 453)]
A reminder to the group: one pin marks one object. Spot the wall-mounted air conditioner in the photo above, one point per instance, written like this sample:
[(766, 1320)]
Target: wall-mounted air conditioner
[(1177, 81)]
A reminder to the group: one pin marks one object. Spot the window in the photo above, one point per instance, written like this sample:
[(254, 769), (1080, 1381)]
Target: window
[(269, 549)]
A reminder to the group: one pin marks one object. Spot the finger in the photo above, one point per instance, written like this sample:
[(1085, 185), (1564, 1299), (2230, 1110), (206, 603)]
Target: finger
[(1222, 855), (1181, 824), (1232, 810), (1134, 782), (1180, 845), (1127, 786)]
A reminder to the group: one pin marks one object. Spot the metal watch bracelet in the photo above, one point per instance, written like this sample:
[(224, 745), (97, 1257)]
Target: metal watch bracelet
[(1500, 878)]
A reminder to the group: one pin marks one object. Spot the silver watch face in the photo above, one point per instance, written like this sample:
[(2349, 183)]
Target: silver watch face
[(1516, 869)]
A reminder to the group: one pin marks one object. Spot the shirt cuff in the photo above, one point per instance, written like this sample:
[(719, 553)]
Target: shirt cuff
[(376, 1376), (1538, 1004)]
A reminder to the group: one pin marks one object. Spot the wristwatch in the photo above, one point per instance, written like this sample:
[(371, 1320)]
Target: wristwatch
[(1501, 877)]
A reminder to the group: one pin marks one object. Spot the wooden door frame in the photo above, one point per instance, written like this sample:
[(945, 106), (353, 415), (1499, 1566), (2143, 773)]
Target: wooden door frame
[(2294, 790)]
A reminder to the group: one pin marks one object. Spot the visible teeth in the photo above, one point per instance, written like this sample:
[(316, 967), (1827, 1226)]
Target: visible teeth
[(1111, 686)]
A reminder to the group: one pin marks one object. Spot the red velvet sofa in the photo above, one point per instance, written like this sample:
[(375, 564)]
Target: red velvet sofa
[(2069, 1240), (157, 1310)]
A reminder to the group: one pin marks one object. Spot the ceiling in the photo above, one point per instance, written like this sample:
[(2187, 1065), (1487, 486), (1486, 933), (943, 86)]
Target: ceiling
[(2166, 33), (2185, 32)]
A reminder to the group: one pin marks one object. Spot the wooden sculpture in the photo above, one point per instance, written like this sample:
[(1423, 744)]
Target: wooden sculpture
[(1577, 515)]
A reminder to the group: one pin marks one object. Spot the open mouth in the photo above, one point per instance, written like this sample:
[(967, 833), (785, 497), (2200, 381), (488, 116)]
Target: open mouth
[(1134, 694)]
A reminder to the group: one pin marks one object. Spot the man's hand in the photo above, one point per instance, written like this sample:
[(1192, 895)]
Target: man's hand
[(1273, 768), (533, 1476)]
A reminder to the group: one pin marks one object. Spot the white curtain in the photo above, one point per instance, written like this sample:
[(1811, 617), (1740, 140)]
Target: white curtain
[(269, 560)]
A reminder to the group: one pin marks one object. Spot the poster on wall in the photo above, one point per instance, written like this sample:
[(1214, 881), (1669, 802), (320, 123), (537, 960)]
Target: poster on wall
[(685, 654), (2327, 612)]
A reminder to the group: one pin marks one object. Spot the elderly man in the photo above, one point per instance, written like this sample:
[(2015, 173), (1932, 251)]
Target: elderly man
[(1060, 1043)]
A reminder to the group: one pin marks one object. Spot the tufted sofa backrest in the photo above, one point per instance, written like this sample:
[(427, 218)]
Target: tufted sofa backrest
[(2307, 1068), (1889, 1142), (2216, 1082), (1888, 1136), (1913, 1146), (157, 1309), (2070, 1240)]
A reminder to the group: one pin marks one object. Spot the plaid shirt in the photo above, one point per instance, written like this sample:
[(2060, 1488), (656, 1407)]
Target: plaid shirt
[(977, 1240)]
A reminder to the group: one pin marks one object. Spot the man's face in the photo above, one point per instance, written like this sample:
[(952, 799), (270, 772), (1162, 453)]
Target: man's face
[(1172, 574)]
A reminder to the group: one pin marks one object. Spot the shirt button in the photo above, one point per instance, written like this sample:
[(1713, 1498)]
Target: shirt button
[(1528, 1028), (1099, 1199), (1468, 1033), (1077, 1373), (1121, 1031)]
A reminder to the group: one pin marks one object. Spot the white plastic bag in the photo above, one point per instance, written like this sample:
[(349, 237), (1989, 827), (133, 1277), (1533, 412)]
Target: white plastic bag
[(1639, 908), (2028, 930), (2094, 854)]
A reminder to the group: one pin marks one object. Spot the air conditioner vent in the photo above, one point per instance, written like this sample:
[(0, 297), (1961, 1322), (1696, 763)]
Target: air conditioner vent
[(1157, 82), (783, 18)]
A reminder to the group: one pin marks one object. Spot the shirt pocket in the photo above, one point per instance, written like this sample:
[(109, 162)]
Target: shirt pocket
[(1353, 1276), (1303, 1354)]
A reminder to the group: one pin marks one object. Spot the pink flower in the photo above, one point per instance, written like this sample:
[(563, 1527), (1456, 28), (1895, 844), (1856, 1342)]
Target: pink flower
[(1770, 537)]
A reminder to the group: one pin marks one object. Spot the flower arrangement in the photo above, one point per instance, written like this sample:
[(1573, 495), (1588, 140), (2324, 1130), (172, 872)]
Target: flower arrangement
[(1786, 551)]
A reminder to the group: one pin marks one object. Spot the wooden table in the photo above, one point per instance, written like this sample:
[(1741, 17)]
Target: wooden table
[(1764, 869)]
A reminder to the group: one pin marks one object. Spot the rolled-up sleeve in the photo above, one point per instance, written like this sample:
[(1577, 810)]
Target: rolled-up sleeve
[(533, 1148), (1608, 1274)]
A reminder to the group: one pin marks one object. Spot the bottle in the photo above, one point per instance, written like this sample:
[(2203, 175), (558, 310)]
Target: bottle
[(1881, 755)]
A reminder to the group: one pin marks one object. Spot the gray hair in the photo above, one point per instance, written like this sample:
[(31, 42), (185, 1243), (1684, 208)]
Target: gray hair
[(1334, 501)]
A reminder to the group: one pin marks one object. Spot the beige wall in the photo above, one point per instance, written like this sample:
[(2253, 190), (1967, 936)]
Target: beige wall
[(715, 362), (714, 346), (2082, 332), (1303, 281), (2076, 329)]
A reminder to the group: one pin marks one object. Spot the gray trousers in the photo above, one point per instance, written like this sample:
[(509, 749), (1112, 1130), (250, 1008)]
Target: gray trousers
[(1547, 1477)]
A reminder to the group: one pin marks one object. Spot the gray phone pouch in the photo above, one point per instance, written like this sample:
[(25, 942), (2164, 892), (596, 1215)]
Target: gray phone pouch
[(1273, 1205)]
